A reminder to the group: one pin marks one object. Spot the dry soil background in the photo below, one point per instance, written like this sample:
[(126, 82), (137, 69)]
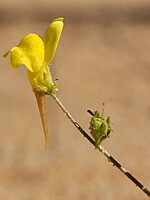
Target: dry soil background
[(103, 56)]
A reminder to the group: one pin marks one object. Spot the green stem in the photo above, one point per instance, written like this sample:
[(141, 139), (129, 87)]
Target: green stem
[(100, 148)]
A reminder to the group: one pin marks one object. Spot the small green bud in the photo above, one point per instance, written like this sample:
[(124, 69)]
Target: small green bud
[(100, 129)]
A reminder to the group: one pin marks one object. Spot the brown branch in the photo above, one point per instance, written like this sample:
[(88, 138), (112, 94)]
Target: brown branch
[(101, 149)]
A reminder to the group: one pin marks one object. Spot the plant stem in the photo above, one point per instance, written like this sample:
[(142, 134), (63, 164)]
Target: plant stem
[(100, 148)]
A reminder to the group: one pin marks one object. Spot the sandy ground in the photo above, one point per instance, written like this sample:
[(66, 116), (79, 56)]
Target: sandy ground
[(103, 56)]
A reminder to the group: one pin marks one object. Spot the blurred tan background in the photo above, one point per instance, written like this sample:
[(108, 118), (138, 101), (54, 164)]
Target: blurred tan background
[(103, 56)]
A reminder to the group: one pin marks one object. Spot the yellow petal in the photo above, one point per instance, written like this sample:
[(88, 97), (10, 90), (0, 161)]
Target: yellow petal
[(51, 39), (41, 80), (29, 52)]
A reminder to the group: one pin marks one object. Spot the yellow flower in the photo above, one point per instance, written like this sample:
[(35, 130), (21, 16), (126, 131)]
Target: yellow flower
[(36, 53)]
